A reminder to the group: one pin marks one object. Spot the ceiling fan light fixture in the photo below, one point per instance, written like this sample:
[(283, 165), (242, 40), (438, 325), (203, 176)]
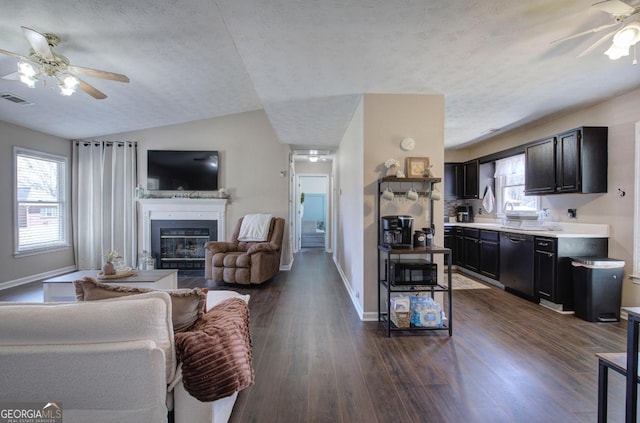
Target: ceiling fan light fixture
[(628, 36), (68, 84), (29, 81), (26, 69), (617, 51), (623, 40)]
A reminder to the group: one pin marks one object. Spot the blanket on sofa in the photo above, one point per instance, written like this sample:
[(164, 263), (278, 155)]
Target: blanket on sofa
[(216, 354)]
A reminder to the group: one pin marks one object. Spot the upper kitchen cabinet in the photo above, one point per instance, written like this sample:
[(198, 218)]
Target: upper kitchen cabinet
[(540, 167), (452, 180), (571, 162), (471, 179), (467, 180)]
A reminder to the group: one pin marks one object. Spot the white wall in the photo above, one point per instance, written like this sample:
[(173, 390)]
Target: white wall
[(321, 167), (313, 184), (349, 242), (254, 165), (619, 114), (27, 268)]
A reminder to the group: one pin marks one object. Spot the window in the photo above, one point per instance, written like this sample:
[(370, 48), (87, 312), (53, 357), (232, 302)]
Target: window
[(41, 218), (509, 177)]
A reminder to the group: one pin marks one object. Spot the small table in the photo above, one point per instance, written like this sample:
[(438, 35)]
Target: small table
[(633, 333), (61, 288)]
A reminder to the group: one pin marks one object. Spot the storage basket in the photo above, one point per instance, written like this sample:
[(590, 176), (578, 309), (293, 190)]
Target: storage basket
[(401, 319)]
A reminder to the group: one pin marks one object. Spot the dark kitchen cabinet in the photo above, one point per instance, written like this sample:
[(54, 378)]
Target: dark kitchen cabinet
[(490, 254), (481, 252), (453, 177), (450, 240), (471, 179), (574, 161), (466, 180), (544, 268), (458, 257), (540, 168), (472, 249), (552, 266)]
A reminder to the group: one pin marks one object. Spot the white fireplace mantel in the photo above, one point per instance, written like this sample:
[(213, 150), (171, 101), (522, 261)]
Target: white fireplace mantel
[(180, 209)]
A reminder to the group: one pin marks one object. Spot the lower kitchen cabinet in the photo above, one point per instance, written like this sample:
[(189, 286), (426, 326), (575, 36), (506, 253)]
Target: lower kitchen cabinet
[(490, 254), (472, 249), (450, 240), (481, 252), (544, 268), (552, 265), (458, 251)]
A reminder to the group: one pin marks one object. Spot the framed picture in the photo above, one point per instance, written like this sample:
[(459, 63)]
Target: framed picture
[(417, 166)]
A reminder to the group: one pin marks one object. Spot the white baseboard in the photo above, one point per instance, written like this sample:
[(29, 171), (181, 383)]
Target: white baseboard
[(352, 295), (38, 277)]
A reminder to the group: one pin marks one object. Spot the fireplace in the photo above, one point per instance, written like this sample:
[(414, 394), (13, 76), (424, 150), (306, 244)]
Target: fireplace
[(174, 230), (179, 244)]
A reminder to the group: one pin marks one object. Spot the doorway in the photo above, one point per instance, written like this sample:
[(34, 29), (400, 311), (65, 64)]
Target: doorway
[(313, 211)]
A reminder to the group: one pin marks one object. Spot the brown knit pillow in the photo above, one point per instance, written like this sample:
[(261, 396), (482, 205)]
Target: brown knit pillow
[(216, 354), (188, 305)]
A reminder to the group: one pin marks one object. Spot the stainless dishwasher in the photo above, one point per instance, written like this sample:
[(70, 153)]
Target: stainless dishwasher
[(516, 264)]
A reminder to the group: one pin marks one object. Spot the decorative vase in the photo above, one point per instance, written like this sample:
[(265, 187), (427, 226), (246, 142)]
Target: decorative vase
[(108, 269), (392, 170)]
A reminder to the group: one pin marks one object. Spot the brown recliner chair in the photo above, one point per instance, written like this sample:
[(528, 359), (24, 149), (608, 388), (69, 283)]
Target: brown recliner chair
[(245, 262)]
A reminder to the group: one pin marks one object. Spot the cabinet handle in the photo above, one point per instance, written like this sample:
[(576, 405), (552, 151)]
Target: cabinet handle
[(543, 244)]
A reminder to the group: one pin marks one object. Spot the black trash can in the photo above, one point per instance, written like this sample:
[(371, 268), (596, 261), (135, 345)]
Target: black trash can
[(597, 288)]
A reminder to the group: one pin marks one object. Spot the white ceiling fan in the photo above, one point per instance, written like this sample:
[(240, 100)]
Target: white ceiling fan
[(43, 62), (625, 32)]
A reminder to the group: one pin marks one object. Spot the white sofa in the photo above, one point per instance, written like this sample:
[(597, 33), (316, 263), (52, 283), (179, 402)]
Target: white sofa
[(104, 361)]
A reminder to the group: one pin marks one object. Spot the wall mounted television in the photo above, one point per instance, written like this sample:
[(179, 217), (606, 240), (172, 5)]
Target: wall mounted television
[(173, 170)]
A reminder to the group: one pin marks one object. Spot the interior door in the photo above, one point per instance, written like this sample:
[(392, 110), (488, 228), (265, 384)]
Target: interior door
[(314, 222)]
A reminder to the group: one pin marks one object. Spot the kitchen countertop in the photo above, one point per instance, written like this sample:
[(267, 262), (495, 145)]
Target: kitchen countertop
[(549, 229)]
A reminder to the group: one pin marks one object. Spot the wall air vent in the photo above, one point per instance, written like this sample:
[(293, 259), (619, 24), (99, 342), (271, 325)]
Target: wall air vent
[(15, 99)]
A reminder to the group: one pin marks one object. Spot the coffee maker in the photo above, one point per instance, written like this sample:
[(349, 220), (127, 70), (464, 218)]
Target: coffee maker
[(397, 231), (464, 214)]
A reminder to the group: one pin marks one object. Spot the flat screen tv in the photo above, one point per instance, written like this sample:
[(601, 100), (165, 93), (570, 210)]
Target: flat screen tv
[(172, 170)]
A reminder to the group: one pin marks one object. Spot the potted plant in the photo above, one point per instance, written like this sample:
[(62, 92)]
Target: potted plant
[(392, 167), (108, 268)]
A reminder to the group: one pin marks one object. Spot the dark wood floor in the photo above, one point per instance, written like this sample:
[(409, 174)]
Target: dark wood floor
[(509, 360)]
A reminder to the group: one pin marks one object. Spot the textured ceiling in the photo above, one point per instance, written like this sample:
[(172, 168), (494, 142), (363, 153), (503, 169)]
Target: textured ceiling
[(307, 62)]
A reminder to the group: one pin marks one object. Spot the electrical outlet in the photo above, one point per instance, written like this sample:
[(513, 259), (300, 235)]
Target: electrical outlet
[(572, 213)]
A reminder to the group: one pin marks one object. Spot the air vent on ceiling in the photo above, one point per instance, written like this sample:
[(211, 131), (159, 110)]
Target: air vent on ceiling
[(15, 99)]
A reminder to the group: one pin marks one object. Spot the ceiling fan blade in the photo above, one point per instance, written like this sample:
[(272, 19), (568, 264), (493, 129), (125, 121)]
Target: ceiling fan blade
[(98, 73), (38, 42), (614, 7), (595, 45), (91, 90), (12, 76), (9, 53), (590, 31)]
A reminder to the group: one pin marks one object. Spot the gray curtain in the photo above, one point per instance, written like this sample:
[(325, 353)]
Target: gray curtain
[(104, 177)]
